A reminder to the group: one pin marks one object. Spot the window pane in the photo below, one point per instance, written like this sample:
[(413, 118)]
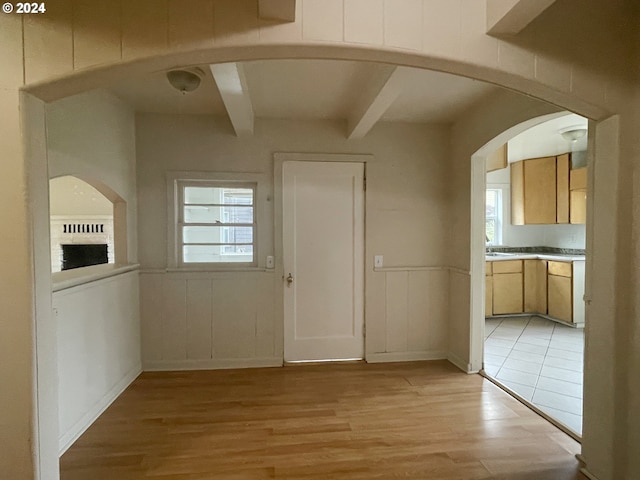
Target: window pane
[(492, 203), (217, 235), (491, 230), (217, 254), (238, 196), (202, 214), (218, 195)]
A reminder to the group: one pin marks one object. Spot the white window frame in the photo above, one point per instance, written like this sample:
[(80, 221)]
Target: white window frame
[(499, 216), (176, 181)]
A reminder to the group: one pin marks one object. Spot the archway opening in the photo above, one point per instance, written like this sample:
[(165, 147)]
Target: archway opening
[(534, 276)]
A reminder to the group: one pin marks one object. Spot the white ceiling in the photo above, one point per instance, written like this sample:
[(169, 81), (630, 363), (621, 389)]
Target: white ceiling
[(545, 140), (337, 90), (313, 89)]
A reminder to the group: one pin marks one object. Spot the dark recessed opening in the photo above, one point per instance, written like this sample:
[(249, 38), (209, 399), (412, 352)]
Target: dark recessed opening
[(83, 255)]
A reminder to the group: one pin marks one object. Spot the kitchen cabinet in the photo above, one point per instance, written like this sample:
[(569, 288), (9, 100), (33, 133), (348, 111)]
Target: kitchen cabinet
[(498, 159), (540, 191), (533, 191), (488, 290), (560, 295), (535, 286), (507, 287), (562, 188), (578, 196)]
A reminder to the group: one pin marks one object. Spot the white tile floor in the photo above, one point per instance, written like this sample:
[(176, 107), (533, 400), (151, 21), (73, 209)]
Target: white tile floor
[(541, 361)]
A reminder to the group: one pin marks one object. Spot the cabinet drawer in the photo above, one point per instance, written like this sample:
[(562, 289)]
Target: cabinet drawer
[(507, 266), (487, 268), (562, 269)]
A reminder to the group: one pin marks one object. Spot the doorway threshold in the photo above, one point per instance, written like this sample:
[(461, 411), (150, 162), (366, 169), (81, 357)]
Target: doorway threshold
[(293, 363)]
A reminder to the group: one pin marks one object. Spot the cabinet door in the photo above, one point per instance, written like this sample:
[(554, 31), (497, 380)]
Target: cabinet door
[(560, 299), (541, 279), (517, 193), (531, 286), (562, 188), (578, 206), (507, 293), (579, 179), (540, 191), (488, 296)]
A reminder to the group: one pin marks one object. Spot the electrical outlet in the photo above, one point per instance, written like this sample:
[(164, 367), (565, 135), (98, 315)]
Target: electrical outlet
[(270, 261), (378, 261)]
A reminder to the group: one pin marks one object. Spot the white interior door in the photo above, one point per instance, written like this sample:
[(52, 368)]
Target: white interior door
[(323, 242)]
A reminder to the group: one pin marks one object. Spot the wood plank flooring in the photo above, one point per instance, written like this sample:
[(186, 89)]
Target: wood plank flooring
[(423, 420)]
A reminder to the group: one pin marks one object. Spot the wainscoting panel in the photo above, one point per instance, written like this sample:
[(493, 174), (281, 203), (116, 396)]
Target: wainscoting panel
[(98, 349), (208, 320), (415, 305), (199, 310)]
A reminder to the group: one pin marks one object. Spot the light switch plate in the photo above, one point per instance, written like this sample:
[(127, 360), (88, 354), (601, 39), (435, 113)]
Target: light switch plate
[(378, 261), (270, 261)]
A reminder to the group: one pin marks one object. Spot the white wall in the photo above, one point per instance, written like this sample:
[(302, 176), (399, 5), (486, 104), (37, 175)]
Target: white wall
[(98, 349), (560, 236), (406, 220), (489, 120), (92, 136)]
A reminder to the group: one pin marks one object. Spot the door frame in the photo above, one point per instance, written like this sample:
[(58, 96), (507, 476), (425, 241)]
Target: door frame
[(278, 161)]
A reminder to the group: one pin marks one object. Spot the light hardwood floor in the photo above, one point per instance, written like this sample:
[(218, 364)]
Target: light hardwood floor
[(422, 420)]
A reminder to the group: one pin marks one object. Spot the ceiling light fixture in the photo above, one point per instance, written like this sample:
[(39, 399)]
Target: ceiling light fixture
[(573, 134), (185, 80)]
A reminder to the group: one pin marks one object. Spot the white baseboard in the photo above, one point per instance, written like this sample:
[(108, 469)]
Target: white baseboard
[(67, 438), (211, 364), (460, 363), (405, 356)]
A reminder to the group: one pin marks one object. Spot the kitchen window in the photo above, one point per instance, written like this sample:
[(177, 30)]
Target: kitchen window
[(493, 217)]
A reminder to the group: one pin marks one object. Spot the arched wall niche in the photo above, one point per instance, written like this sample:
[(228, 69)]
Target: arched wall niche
[(85, 211)]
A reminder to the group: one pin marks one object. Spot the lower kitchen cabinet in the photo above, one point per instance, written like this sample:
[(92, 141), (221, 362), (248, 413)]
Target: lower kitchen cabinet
[(488, 290), (507, 287), (536, 286), (560, 298)]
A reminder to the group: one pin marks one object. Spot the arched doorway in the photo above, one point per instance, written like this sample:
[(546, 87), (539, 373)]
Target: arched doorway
[(88, 76)]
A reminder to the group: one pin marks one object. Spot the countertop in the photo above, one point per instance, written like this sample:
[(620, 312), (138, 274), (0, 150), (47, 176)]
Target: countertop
[(559, 257)]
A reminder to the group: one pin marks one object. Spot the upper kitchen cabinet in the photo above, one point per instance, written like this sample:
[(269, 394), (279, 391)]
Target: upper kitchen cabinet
[(540, 191), (578, 195)]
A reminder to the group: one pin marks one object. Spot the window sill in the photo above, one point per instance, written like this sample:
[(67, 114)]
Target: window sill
[(80, 276)]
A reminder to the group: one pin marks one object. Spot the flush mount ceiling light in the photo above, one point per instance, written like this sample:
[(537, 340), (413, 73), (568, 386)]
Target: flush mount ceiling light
[(573, 134), (185, 80)]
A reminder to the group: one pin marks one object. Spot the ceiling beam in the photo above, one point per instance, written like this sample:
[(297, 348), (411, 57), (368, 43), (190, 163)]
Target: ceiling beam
[(378, 95), (232, 85), (284, 10), (510, 17)]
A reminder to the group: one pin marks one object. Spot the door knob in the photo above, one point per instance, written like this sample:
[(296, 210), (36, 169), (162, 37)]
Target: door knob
[(289, 280)]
